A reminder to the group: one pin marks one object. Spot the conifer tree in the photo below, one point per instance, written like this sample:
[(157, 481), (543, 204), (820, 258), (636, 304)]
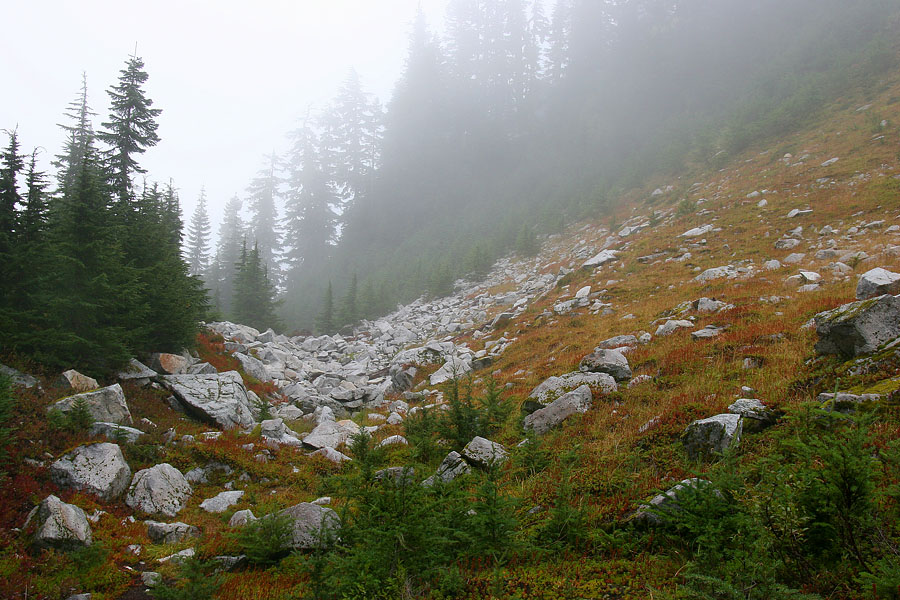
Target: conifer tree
[(11, 165), (79, 138), (325, 320), (198, 239), (131, 128), (254, 294), (228, 253), (349, 312), (264, 225)]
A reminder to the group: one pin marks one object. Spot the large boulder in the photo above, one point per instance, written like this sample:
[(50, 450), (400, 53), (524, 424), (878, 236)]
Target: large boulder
[(877, 282), (159, 490), (454, 368), (17, 377), (106, 404), (276, 433), (75, 382), (859, 327), (708, 437), (98, 469), (611, 362), (136, 371), (221, 399), (553, 387), (312, 525), (59, 525), (328, 434), (756, 416), (577, 401), (485, 453)]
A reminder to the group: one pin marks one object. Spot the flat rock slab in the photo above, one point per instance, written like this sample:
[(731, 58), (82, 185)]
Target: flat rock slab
[(577, 401), (859, 327), (222, 501), (220, 399), (98, 469), (118, 433), (159, 490), (312, 525), (106, 404)]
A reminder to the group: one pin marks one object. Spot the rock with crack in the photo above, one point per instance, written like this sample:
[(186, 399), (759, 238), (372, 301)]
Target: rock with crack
[(106, 404), (577, 401), (707, 438), (451, 467), (859, 327), (253, 367), (553, 387), (222, 501), (220, 399), (483, 452), (654, 512), (170, 533), (611, 362), (58, 525), (312, 525), (159, 490), (98, 469), (877, 282)]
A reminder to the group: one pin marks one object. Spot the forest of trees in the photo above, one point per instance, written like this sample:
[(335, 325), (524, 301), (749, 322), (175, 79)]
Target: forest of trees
[(91, 265), (522, 116)]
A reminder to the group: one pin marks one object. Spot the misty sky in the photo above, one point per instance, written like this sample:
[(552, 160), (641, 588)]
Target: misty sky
[(232, 78)]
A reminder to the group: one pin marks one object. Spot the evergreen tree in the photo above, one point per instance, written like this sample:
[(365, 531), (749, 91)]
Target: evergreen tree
[(198, 239), (131, 128), (264, 225), (228, 253), (349, 312), (254, 294), (325, 320), (11, 165), (557, 57), (79, 138)]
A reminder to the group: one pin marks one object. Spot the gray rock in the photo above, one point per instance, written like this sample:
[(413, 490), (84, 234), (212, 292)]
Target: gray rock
[(485, 453), (170, 533), (710, 331), (253, 367), (787, 244), (159, 490), (241, 518), (707, 437), (203, 368), (331, 454), (611, 362), (151, 579), (118, 433), (201, 474), (222, 501), (451, 467), (618, 342), (276, 433), (755, 415), (877, 282), (179, 557), (18, 378), (136, 370), (639, 380), (221, 399), (312, 525), (452, 369), (75, 382), (667, 502), (543, 420), (671, 326), (845, 402), (106, 404), (392, 441), (327, 434), (59, 525), (397, 475), (553, 387), (859, 327), (98, 469), (604, 257), (728, 272)]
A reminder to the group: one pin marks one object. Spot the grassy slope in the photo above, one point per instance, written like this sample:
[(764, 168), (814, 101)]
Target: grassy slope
[(616, 465)]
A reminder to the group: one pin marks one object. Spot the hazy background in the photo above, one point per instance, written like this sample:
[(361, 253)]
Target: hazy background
[(232, 78)]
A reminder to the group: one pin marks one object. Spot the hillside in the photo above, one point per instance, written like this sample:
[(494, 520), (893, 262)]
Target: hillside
[(803, 506)]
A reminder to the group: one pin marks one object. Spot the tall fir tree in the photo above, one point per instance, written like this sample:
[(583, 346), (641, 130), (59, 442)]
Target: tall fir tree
[(349, 311), (228, 252), (264, 226), (79, 134), (131, 129), (198, 239), (325, 320), (254, 293)]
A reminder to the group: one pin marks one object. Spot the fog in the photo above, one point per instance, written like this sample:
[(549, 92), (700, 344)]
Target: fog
[(232, 78)]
